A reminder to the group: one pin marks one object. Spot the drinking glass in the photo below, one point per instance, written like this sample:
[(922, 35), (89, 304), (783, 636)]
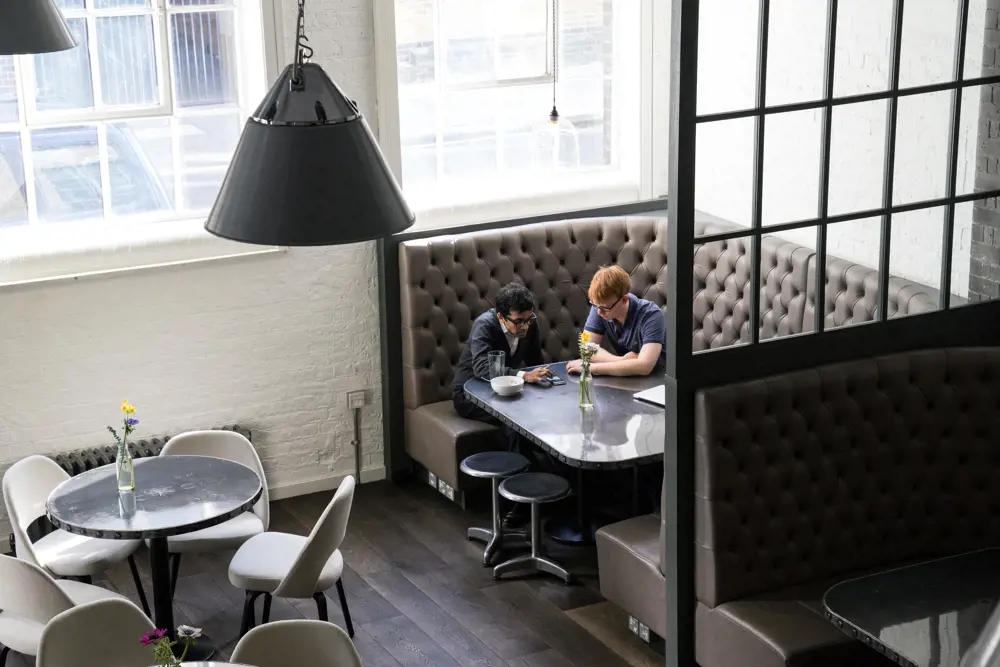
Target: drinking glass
[(498, 364)]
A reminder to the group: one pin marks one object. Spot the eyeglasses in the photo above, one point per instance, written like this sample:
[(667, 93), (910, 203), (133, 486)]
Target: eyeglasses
[(522, 322), (606, 309)]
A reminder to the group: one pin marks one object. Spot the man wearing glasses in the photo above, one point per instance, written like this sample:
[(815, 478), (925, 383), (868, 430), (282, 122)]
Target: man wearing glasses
[(634, 327), (509, 328)]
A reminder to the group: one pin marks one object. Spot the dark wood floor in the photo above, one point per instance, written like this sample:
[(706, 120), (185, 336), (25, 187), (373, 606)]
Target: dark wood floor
[(418, 593)]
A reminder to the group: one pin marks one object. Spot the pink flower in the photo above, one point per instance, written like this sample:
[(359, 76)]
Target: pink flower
[(153, 637)]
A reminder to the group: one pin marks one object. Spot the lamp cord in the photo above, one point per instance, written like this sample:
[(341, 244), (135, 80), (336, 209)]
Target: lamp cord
[(554, 114), (303, 51)]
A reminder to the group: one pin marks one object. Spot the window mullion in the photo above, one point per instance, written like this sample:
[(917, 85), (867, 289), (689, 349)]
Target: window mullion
[(164, 60), (439, 102), (102, 151), (95, 64)]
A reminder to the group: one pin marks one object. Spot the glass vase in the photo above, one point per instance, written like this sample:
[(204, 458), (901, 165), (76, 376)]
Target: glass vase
[(586, 387), (124, 468)]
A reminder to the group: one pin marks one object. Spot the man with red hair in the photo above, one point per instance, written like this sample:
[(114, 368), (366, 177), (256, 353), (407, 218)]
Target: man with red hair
[(634, 328)]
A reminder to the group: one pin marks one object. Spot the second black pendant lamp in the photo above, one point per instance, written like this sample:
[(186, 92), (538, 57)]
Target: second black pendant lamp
[(307, 170)]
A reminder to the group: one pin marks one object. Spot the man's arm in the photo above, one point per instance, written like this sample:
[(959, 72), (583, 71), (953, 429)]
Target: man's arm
[(481, 343), (644, 364)]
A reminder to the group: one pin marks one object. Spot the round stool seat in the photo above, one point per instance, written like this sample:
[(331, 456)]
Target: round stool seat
[(534, 487), (494, 464)]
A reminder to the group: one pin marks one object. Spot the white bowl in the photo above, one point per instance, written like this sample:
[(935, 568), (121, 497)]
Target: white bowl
[(507, 385)]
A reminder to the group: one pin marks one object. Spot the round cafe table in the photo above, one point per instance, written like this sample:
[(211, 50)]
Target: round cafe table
[(173, 495)]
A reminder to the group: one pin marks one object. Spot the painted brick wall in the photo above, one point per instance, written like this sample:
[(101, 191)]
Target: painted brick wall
[(725, 152), (271, 343), (984, 263)]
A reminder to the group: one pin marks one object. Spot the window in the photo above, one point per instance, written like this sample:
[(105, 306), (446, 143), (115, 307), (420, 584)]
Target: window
[(475, 87), (134, 126)]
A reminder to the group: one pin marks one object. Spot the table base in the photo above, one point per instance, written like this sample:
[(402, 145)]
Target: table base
[(567, 530)]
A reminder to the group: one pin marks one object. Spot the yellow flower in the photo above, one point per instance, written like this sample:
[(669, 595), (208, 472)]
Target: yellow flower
[(128, 408), (585, 337)]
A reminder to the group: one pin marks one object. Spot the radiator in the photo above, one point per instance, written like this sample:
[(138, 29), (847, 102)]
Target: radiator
[(81, 460)]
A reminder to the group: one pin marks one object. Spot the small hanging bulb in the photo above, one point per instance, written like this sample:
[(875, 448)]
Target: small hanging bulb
[(554, 115)]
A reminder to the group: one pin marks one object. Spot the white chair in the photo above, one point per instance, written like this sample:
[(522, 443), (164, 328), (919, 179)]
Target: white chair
[(292, 566), (105, 633), (299, 642), (26, 487), (231, 534), (30, 598)]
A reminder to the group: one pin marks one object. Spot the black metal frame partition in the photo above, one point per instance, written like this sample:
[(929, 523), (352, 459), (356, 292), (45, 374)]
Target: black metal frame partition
[(687, 373)]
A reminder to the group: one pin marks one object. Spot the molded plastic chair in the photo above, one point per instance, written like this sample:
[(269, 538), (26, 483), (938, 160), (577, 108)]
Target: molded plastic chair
[(105, 633), (30, 598), (292, 566), (231, 534), (26, 488), (298, 642)]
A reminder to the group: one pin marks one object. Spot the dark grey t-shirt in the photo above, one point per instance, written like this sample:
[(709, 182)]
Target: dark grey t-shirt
[(643, 324)]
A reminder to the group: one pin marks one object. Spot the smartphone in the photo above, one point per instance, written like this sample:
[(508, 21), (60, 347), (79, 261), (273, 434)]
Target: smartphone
[(557, 381)]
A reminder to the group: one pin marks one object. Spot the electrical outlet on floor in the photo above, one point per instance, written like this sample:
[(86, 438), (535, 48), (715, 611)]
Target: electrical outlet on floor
[(356, 399)]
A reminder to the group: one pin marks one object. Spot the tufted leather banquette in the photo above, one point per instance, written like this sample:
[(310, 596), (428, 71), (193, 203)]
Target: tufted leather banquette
[(809, 478), (446, 281)]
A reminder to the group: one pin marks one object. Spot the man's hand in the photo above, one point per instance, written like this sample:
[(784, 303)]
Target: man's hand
[(574, 366), (536, 375)]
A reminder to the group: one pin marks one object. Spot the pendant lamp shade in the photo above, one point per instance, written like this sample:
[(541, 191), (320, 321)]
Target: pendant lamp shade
[(32, 26), (307, 171)]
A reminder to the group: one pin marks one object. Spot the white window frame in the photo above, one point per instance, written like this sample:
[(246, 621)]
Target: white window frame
[(113, 246), (586, 190)]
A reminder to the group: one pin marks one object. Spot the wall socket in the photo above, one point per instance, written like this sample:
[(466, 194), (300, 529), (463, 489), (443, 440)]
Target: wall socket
[(356, 399)]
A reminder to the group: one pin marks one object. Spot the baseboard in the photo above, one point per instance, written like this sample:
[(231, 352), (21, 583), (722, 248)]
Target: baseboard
[(320, 484)]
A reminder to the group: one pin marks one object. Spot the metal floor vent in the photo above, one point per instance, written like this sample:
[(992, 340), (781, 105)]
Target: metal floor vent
[(82, 460)]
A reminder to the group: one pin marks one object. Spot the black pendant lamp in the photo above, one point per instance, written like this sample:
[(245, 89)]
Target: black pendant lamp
[(32, 26), (307, 170)]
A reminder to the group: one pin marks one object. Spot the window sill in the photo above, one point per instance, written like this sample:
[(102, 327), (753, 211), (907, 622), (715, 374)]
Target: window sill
[(592, 192), (71, 253)]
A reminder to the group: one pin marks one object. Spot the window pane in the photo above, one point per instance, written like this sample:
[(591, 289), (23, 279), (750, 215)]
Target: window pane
[(120, 4), (851, 295), (727, 55), (979, 140), (128, 60), (470, 138), (13, 196), (978, 55), (857, 154), (791, 166), (207, 144), (204, 45), (194, 3), (467, 29), (62, 79), (8, 90), (70, 4), (862, 61), (921, 166), (67, 167), (724, 170), (787, 279), (140, 165), (522, 30), (795, 51), (975, 275), (927, 53), (915, 262), (721, 304)]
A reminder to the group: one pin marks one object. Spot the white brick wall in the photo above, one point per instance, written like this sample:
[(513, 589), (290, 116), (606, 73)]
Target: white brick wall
[(272, 343), (725, 151)]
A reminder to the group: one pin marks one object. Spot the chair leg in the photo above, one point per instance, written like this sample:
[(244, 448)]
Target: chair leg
[(248, 612), (265, 615), (3, 656), (138, 587), (175, 568), (321, 606), (343, 607)]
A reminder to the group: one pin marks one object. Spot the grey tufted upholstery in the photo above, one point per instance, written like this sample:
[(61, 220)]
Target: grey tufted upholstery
[(447, 281), (809, 478)]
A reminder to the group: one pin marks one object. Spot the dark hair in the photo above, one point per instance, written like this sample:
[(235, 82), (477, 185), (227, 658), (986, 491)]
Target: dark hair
[(514, 298)]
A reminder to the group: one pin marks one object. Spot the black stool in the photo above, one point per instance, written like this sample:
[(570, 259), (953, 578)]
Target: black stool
[(495, 466), (534, 488)]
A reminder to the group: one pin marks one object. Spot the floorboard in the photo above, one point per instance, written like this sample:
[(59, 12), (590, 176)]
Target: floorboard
[(418, 592)]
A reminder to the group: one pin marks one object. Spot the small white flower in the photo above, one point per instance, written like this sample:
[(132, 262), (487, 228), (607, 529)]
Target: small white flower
[(188, 632)]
